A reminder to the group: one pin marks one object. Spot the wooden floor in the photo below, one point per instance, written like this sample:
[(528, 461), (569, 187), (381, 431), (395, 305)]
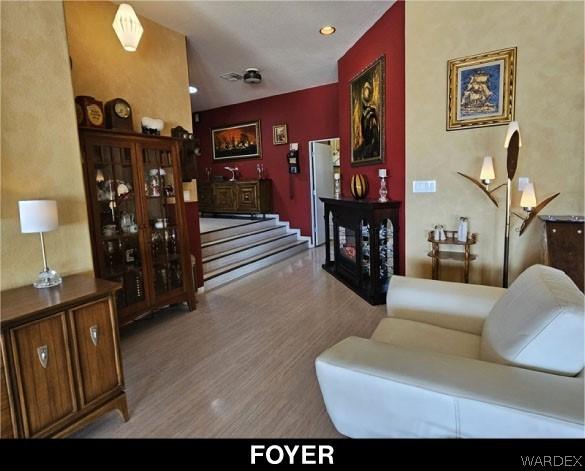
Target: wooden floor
[(242, 364)]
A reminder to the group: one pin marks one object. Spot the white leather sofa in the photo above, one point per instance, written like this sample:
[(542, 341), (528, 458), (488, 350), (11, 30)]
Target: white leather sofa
[(456, 360)]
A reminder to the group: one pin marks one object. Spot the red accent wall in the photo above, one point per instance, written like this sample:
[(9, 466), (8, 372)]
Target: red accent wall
[(310, 114), (386, 37)]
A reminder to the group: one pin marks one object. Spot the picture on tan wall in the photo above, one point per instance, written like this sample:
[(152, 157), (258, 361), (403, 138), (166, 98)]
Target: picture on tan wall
[(367, 115), (241, 141), (481, 89)]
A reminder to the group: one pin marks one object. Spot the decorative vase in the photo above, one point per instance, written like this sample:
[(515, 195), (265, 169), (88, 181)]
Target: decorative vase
[(462, 230), (359, 186)]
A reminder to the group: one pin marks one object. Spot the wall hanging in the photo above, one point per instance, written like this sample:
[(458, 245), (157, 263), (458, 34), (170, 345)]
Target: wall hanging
[(240, 141), (481, 89), (367, 98)]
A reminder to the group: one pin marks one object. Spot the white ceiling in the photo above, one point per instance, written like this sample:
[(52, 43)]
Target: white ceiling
[(281, 38)]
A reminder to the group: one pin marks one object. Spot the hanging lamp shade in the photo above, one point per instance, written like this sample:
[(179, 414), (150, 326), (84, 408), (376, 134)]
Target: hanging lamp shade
[(127, 27)]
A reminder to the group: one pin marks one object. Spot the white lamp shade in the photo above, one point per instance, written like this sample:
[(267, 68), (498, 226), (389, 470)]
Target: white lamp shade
[(336, 176), (512, 128), (528, 199), (127, 27), (487, 169), (38, 216), (382, 172)]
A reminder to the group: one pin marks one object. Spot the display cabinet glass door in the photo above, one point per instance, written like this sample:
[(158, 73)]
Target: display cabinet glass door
[(119, 242), (385, 241), (162, 228)]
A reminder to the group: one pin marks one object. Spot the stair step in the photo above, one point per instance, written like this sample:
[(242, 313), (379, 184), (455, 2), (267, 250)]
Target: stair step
[(213, 262), (246, 225), (231, 272), (229, 243)]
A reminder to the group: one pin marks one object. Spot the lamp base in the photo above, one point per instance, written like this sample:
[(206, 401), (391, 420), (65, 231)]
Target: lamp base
[(47, 278)]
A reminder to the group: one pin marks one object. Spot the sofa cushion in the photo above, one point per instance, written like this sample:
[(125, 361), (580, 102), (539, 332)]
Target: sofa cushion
[(537, 324), (421, 336)]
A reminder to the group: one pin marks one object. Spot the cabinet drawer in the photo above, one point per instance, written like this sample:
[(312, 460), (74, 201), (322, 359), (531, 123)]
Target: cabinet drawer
[(44, 374), (96, 349), (248, 197)]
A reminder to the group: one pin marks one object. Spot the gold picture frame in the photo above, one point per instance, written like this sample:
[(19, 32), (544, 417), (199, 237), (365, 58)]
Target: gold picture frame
[(481, 89), (367, 103), (279, 134), (238, 141)]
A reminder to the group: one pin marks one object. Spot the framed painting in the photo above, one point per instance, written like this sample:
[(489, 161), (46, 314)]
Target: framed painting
[(481, 89), (279, 134), (240, 141), (367, 97)]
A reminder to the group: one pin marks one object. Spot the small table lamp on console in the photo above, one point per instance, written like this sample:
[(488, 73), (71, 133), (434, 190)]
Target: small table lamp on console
[(40, 216)]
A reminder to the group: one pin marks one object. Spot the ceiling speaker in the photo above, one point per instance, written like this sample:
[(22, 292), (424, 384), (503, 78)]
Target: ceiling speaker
[(252, 76)]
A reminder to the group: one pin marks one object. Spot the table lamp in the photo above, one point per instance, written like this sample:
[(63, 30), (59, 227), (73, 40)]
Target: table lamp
[(40, 216)]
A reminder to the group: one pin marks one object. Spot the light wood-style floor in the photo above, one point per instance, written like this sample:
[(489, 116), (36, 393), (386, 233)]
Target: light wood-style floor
[(242, 364)]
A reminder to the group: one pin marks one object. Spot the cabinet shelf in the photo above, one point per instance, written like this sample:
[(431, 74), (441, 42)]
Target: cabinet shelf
[(449, 255)]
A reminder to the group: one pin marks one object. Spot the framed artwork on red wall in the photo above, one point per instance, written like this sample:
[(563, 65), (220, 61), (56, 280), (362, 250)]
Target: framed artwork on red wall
[(279, 134), (239, 141), (367, 102)]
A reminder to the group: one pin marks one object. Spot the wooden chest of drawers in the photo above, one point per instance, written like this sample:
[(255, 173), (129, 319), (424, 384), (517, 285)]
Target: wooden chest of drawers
[(239, 197), (61, 364)]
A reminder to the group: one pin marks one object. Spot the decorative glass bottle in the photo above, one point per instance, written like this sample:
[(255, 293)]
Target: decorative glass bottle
[(383, 190)]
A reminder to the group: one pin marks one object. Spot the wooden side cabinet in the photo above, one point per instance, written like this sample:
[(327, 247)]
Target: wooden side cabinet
[(564, 240), (238, 197), (61, 364)]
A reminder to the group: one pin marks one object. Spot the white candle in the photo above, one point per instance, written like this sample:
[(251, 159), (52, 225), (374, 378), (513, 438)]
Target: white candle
[(382, 172)]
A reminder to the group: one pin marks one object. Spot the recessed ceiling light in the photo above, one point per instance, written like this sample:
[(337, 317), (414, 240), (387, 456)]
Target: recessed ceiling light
[(327, 30), (192, 89)]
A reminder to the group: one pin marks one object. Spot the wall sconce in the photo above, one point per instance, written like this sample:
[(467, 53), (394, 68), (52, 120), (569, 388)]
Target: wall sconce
[(127, 27), (512, 143)]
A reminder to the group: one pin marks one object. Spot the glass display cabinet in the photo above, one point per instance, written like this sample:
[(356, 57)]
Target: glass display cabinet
[(365, 244), (137, 218)]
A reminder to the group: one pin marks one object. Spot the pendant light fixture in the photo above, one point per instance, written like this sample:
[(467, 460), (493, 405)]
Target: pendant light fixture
[(127, 27)]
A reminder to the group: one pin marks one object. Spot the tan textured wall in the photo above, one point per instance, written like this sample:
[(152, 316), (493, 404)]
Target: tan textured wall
[(40, 148), (549, 108), (154, 79)]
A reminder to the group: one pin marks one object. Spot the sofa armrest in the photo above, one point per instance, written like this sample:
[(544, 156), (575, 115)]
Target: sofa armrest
[(443, 390), (456, 306)]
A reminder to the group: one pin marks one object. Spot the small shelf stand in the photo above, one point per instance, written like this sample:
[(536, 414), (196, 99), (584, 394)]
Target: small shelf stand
[(437, 254)]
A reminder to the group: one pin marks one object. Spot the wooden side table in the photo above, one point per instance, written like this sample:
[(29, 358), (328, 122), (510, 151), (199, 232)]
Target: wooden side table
[(437, 254)]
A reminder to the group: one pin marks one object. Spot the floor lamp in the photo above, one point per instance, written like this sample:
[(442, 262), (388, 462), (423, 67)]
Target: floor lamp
[(512, 143)]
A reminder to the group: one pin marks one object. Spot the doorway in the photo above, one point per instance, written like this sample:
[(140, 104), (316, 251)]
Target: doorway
[(324, 169)]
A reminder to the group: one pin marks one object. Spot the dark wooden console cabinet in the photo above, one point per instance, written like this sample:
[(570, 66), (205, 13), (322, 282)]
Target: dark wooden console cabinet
[(564, 239), (61, 363), (365, 244), (137, 218), (238, 197)]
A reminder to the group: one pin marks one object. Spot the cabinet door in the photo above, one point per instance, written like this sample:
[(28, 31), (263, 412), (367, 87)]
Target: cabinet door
[(165, 228), (565, 248), (224, 198), (248, 197), (205, 196), (95, 337), (112, 181), (7, 425), (44, 374)]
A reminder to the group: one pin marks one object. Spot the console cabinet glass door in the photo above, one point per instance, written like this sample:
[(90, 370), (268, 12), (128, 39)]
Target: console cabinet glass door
[(119, 243), (160, 177)]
